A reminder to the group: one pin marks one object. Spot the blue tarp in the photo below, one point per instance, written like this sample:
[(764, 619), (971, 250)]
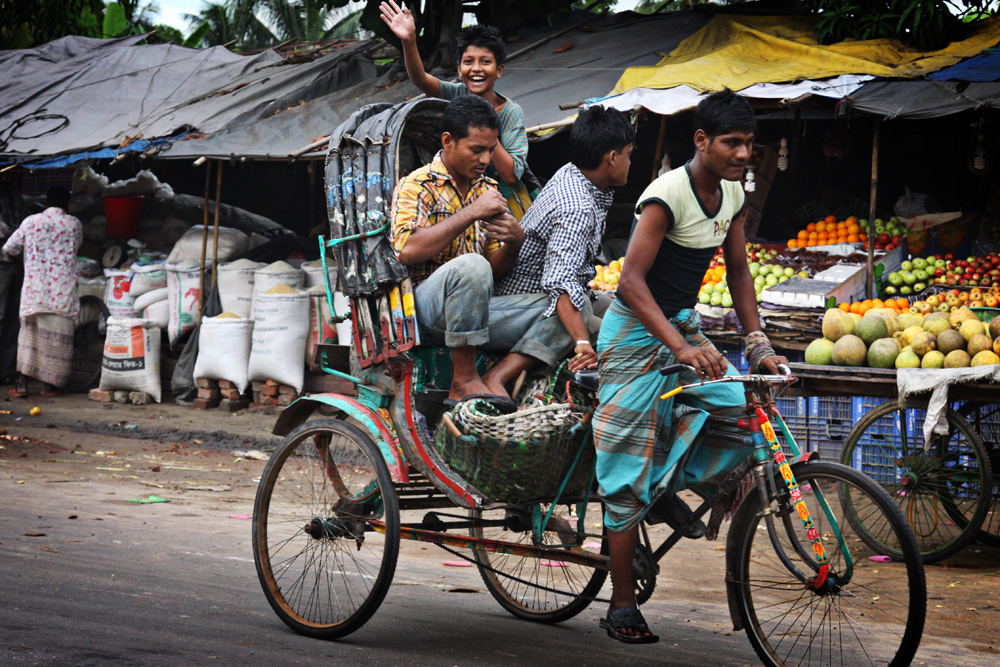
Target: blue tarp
[(63, 160), (982, 68)]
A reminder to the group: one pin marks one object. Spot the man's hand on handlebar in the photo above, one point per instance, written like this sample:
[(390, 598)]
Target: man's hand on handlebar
[(584, 357), (769, 365), (707, 363)]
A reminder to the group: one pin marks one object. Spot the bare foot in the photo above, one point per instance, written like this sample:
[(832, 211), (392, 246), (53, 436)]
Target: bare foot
[(494, 386), (461, 390)]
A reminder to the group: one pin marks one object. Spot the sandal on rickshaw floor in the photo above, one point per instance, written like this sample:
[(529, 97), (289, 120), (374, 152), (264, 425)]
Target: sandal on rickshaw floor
[(628, 617), (503, 404)]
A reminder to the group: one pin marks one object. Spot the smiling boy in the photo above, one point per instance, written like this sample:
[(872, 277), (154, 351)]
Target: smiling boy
[(480, 55)]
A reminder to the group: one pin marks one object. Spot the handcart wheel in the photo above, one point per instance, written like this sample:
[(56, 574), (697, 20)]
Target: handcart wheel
[(867, 613), (326, 529), (985, 420), (525, 586), (944, 492), (88, 344)]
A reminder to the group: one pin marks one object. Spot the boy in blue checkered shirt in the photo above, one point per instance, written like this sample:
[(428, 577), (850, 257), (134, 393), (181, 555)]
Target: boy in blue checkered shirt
[(562, 237)]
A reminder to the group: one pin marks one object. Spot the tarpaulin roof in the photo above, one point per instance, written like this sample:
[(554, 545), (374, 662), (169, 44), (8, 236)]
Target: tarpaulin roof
[(539, 81), (679, 98), (984, 67), (79, 94), (79, 97), (739, 51), (920, 99)]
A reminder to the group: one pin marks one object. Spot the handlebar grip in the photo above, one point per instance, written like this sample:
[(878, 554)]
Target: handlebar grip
[(672, 392), (675, 368), (784, 370)]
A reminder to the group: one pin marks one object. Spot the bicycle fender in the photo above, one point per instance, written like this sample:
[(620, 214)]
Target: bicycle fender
[(301, 409)]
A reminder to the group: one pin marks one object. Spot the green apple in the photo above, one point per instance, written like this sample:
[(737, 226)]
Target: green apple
[(789, 272), (704, 298), (907, 265), (727, 301), (716, 299), (755, 269)]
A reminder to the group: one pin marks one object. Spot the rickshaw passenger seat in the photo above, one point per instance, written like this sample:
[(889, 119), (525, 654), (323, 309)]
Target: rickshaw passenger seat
[(589, 380)]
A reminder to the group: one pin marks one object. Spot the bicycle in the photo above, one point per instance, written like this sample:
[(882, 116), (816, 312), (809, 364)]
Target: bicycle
[(327, 525), (88, 344)]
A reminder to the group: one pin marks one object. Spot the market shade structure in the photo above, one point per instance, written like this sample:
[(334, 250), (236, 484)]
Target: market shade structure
[(79, 97), (78, 94), (777, 57), (739, 51)]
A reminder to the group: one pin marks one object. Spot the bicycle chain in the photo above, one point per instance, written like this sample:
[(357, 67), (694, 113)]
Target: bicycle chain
[(522, 581)]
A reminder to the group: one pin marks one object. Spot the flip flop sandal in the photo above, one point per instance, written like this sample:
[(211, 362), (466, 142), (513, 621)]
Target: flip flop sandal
[(627, 617), (14, 393), (502, 403)]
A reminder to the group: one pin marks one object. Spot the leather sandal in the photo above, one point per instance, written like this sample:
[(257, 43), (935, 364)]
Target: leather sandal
[(627, 617)]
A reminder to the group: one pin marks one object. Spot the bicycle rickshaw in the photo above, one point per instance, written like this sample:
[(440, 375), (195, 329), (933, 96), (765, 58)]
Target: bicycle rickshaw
[(390, 463)]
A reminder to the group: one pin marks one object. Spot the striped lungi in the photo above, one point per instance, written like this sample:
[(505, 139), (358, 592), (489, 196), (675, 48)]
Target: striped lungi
[(646, 446), (45, 347)]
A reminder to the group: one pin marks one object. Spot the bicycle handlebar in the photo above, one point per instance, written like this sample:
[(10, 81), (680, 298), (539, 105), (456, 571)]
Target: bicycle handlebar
[(785, 378)]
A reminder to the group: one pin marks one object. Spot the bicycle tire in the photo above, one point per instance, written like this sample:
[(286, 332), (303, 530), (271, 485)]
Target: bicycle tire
[(531, 602), (302, 485), (985, 421), (923, 483), (88, 344), (885, 617)]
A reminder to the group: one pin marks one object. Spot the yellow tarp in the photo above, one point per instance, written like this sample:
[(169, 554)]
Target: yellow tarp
[(739, 51)]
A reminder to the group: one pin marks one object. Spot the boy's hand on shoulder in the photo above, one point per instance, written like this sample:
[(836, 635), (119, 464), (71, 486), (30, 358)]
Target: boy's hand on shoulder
[(504, 228), (400, 21)]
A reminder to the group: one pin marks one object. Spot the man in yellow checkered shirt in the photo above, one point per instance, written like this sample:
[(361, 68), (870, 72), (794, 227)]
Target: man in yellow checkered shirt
[(451, 227)]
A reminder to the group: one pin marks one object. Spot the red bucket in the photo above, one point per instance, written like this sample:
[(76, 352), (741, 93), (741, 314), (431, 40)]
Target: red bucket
[(122, 214)]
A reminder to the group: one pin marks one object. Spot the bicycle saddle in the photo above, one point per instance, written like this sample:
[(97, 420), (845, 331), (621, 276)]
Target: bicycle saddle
[(589, 380)]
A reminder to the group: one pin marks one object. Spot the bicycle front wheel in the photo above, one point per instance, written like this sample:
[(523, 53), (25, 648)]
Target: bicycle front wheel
[(870, 612)]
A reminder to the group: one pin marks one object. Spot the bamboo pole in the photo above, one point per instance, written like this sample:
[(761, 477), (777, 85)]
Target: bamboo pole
[(204, 240), (658, 155), (218, 205), (870, 287)]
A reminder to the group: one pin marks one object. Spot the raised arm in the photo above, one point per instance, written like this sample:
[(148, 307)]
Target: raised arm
[(401, 22)]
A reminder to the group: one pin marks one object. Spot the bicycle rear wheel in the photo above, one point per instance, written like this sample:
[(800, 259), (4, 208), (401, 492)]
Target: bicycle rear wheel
[(323, 561), (870, 613), (520, 584), (88, 344), (944, 492)]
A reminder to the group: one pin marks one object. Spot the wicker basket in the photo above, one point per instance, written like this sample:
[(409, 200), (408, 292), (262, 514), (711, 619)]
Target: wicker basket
[(522, 456)]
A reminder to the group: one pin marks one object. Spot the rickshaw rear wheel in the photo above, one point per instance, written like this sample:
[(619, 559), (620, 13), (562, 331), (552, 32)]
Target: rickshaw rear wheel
[(324, 567), (519, 584)]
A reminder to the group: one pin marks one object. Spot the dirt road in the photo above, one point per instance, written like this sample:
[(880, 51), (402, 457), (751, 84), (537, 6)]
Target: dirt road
[(70, 531)]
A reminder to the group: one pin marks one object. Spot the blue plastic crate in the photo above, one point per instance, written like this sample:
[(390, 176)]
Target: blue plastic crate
[(792, 407), (734, 354), (822, 408), (862, 404)]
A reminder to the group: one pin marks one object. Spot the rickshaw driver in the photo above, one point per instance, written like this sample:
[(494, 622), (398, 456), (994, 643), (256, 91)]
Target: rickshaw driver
[(452, 228), (646, 451)]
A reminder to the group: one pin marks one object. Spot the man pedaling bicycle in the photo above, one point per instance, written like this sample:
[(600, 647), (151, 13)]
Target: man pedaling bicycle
[(647, 448)]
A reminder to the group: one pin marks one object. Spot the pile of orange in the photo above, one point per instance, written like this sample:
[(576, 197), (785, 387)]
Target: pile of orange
[(714, 274), (828, 231), (861, 307)]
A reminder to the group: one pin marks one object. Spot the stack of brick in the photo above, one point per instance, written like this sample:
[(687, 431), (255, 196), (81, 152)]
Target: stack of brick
[(119, 396), (221, 394), (270, 396)]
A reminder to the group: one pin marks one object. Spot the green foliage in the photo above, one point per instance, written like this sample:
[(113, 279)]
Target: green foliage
[(115, 23), (197, 35), (28, 23), (927, 25)]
